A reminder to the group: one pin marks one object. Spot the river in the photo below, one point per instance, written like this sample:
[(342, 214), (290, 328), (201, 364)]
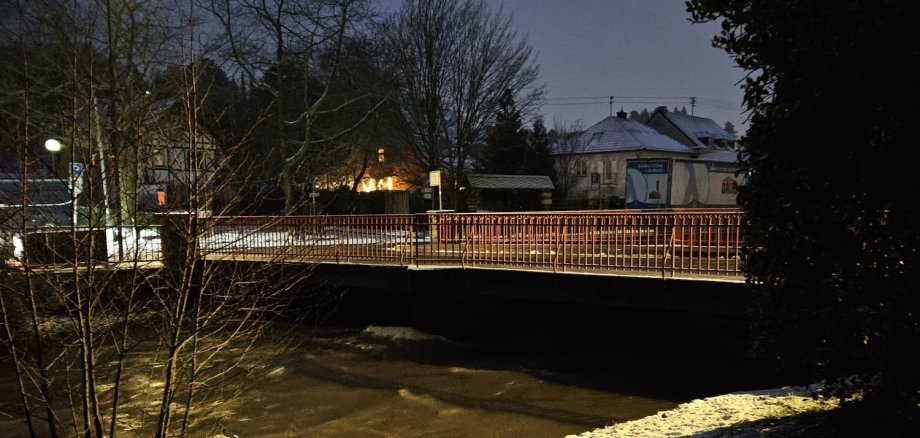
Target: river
[(547, 373)]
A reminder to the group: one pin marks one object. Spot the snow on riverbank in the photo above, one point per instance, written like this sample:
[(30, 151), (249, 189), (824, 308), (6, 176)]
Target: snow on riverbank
[(741, 414)]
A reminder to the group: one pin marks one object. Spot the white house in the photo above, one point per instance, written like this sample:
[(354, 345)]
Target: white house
[(702, 135), (591, 167)]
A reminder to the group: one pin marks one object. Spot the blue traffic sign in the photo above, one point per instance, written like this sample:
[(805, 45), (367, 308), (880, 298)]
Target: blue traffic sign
[(77, 169)]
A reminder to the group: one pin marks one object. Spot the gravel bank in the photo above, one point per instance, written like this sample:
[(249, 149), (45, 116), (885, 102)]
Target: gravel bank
[(743, 414)]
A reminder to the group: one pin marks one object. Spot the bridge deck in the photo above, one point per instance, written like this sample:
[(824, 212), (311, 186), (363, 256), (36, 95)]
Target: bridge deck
[(669, 244)]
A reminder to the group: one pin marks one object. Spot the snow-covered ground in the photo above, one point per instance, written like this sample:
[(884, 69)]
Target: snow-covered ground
[(146, 241), (742, 414), (228, 239)]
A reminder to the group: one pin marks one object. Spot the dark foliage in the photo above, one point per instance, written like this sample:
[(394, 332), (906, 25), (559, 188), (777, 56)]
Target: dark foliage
[(511, 149), (507, 141), (831, 199), (541, 158)]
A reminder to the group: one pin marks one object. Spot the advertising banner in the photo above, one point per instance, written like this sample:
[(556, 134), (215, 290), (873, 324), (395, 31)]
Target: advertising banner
[(647, 183)]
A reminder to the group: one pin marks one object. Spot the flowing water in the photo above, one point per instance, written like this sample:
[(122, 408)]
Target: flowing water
[(539, 379)]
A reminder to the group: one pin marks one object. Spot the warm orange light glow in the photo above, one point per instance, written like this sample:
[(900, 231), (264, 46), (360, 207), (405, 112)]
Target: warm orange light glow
[(369, 184)]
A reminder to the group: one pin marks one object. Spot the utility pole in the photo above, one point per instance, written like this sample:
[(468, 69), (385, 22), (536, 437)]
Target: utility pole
[(692, 105), (611, 106)]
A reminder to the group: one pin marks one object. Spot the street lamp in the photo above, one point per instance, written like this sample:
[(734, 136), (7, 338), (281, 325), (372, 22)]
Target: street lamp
[(52, 145), (74, 180)]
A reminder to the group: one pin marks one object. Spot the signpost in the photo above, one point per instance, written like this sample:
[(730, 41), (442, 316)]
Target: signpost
[(434, 178), (313, 196), (76, 187)]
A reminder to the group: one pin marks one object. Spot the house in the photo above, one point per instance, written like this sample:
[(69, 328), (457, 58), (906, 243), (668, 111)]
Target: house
[(176, 160), (591, 167), (702, 135), (492, 192)]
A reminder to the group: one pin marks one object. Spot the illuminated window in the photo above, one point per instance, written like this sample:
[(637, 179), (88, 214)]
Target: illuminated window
[(380, 156)]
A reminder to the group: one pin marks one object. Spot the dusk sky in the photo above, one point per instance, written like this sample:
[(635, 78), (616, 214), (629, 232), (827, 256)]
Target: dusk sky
[(628, 48)]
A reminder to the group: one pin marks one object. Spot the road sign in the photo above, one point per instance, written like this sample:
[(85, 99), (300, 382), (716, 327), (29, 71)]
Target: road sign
[(434, 178), (76, 169), (313, 194)]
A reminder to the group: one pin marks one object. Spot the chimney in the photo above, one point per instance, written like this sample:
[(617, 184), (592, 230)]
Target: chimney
[(621, 114)]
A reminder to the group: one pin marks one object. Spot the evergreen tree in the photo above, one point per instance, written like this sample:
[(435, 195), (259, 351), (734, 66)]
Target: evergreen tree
[(830, 202), (506, 144), (730, 128), (634, 115), (540, 158), (644, 116)]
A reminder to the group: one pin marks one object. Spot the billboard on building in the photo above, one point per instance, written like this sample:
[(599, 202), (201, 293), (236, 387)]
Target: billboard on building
[(647, 183), (680, 183)]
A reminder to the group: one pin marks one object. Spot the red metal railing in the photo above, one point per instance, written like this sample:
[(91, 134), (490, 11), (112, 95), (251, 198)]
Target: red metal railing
[(668, 243), (671, 243)]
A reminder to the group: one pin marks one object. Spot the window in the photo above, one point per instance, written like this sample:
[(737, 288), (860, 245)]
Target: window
[(596, 137), (608, 170), (580, 168), (157, 157), (729, 186), (380, 155)]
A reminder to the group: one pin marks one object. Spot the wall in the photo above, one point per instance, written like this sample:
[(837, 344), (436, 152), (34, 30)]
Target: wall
[(581, 190)]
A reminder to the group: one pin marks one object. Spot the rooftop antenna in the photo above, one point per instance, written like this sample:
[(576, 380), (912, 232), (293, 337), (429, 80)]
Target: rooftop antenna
[(611, 106)]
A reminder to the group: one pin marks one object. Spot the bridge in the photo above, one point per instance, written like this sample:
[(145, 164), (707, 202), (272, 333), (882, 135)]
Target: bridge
[(618, 257), (670, 244)]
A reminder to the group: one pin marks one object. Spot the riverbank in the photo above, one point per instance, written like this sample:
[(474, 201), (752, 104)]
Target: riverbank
[(780, 412)]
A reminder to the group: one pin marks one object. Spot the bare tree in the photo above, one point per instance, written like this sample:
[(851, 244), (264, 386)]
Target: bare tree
[(570, 163), (281, 46), (103, 338), (454, 59)]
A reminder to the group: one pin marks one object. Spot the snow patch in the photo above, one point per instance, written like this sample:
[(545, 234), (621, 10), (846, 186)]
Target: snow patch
[(734, 414), (400, 334)]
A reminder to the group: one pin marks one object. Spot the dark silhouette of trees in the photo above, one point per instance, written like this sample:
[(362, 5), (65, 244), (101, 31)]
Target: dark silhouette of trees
[(541, 160), (642, 117), (506, 144), (298, 46), (830, 201), (512, 149)]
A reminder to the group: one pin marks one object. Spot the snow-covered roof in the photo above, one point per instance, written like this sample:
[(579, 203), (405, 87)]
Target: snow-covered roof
[(724, 156), (615, 134), (510, 182), (696, 128)]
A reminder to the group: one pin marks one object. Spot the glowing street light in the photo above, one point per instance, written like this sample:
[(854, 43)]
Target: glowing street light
[(52, 145)]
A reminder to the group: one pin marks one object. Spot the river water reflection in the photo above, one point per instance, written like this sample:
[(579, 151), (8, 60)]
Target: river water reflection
[(521, 378), (400, 382)]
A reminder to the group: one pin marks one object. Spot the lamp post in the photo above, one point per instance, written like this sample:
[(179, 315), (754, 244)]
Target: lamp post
[(74, 180), (54, 146)]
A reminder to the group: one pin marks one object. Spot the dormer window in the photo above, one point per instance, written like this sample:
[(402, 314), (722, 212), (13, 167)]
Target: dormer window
[(596, 137)]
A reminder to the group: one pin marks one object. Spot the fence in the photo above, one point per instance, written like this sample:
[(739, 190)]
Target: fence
[(670, 243)]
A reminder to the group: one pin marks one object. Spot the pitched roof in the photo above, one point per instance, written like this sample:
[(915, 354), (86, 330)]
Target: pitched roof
[(724, 156), (39, 192), (695, 127), (615, 134), (510, 182)]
